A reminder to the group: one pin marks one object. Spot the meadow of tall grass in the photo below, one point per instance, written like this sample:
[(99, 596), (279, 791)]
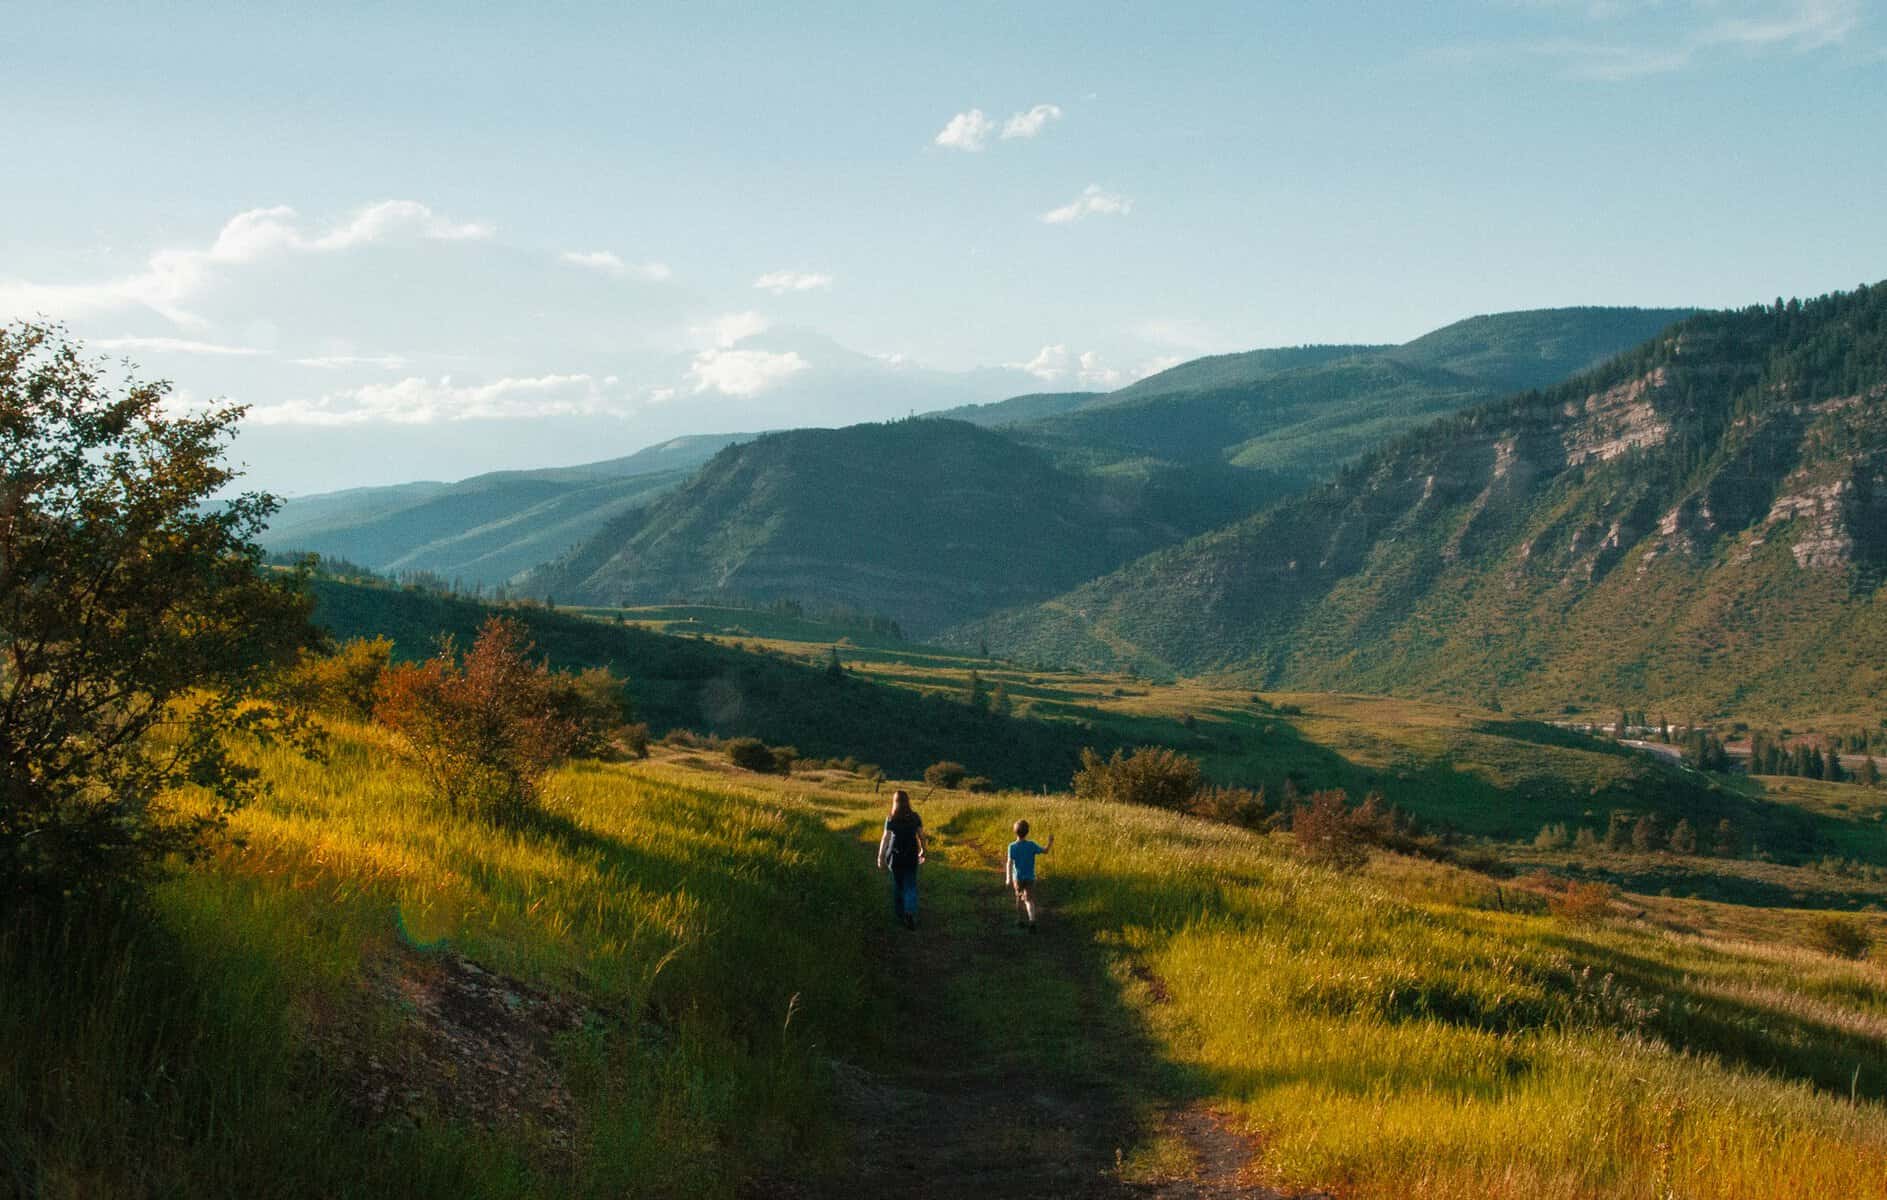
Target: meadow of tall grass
[(1386, 1046), (720, 940), (211, 1041)]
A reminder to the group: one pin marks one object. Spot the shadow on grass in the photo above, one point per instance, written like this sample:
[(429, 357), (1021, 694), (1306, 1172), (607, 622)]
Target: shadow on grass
[(1742, 1033)]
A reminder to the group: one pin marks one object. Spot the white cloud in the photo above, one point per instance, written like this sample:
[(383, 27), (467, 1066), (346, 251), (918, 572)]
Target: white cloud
[(418, 401), (1055, 364), (1050, 363), (966, 131), (1028, 124), (743, 372), (1093, 201), (170, 345), (330, 362), (729, 329), (259, 232), (171, 277), (613, 266), (781, 282)]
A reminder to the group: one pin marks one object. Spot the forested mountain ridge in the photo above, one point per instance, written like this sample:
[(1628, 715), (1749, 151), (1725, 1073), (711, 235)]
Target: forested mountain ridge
[(1702, 523), (489, 528), (1300, 412), (928, 521)]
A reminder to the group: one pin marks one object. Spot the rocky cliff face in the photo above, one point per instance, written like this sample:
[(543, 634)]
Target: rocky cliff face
[(1704, 520)]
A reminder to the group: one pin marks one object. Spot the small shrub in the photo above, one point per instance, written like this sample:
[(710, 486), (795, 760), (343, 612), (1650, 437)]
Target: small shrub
[(945, 774), (783, 759), (750, 754), (341, 683), (1552, 837), (1325, 832), (484, 732), (1843, 937), (1583, 902), (1151, 775), (978, 783), (596, 704), (1233, 805)]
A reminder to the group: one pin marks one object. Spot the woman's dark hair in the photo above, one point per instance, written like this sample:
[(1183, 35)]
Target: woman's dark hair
[(900, 803)]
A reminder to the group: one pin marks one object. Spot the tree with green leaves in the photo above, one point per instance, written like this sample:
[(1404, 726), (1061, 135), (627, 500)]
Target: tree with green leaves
[(138, 626), (1869, 774)]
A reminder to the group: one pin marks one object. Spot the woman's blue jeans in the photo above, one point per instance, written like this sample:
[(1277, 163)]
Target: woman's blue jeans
[(903, 890)]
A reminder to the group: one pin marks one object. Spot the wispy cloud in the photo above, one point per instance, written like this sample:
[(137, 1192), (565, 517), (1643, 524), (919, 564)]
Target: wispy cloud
[(418, 401), (1028, 124), (335, 362), (1644, 39), (1094, 200), (781, 282), (608, 263), (171, 278), (967, 131), (170, 345), (743, 372)]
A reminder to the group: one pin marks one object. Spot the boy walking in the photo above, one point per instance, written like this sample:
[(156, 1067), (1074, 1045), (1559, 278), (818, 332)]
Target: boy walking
[(1019, 873)]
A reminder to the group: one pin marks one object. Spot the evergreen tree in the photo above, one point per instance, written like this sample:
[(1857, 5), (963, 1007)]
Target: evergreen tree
[(835, 669), (999, 701), (1618, 831), (1870, 773), (1683, 837), (1645, 834), (1832, 770), (976, 693), (1726, 844)]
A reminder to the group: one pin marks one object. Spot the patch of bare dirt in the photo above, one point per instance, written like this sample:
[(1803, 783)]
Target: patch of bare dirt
[(466, 1044), (1223, 1162)]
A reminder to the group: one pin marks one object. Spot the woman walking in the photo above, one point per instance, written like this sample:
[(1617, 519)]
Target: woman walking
[(900, 850)]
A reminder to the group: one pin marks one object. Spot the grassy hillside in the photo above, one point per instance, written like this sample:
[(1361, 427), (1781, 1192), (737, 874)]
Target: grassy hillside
[(1697, 526), (698, 684), (927, 521), (489, 528), (681, 984)]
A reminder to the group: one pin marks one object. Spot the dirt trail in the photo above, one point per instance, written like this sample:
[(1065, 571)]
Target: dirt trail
[(1022, 1072)]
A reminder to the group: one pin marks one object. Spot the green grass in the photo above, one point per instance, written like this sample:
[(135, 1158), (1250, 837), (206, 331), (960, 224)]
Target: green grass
[(723, 941), (203, 1057)]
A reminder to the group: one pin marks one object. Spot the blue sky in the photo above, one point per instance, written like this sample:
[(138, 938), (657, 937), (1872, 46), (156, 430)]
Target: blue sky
[(427, 240)]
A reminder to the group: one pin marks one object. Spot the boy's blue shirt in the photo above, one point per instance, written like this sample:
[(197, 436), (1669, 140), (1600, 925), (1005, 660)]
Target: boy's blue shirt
[(1022, 858)]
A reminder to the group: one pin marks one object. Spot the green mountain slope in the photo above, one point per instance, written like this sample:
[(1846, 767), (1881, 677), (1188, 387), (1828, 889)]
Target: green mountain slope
[(1301, 412), (924, 520), (489, 528), (1701, 524)]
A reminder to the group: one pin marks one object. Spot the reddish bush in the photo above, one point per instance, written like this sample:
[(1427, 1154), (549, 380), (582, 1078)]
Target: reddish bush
[(485, 732)]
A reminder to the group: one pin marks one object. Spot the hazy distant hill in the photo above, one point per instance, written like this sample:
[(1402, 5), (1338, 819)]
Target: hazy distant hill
[(928, 521), (1301, 412), (1700, 524), (1173, 454), (488, 528)]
